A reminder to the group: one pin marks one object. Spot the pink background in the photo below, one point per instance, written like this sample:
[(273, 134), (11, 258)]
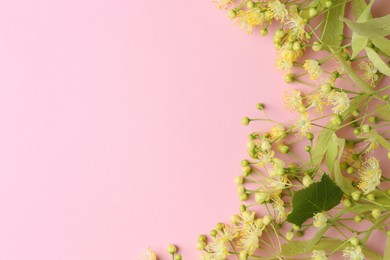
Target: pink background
[(120, 124)]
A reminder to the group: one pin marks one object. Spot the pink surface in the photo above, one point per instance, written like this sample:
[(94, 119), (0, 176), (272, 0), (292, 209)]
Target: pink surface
[(121, 124)]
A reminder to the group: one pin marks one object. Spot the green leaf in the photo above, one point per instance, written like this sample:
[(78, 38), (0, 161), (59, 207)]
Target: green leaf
[(377, 27), (358, 41), (377, 61), (333, 27), (321, 145), (358, 7), (383, 44), (318, 197), (294, 248)]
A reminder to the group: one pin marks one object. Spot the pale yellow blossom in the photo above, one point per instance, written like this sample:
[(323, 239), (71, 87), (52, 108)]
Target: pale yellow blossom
[(370, 175), (313, 68)]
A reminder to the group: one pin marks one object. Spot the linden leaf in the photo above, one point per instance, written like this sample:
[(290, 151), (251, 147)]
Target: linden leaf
[(358, 41), (333, 27), (377, 27), (377, 61), (383, 44), (318, 197)]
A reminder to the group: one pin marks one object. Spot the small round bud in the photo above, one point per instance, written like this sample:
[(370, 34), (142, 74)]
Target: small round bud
[(336, 120), (313, 12), (365, 128), (178, 257), (356, 113), (354, 241), (245, 120), (264, 31), (307, 181), (200, 245), (246, 170), (343, 55), (283, 148), (372, 120), (243, 196), (328, 3), (350, 170), (376, 213), (385, 97), (244, 163), (279, 33), (219, 226), (250, 4), (317, 46), (357, 132), (235, 218), (300, 233), (347, 203), (296, 227), (172, 249), (335, 74), (308, 148), (371, 197), (289, 78), (232, 14), (357, 219), (260, 106), (326, 88), (202, 238), (289, 235), (310, 136), (239, 180), (267, 220), (307, 35), (242, 208), (288, 45), (355, 156), (297, 46), (356, 195), (213, 233)]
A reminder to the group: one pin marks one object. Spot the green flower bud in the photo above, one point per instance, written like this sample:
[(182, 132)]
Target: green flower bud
[(336, 120), (354, 241), (328, 3), (357, 132), (267, 220), (279, 33), (376, 213), (242, 208), (300, 233), (264, 31), (310, 136), (356, 195), (357, 219), (308, 148), (289, 235), (365, 128), (202, 238), (385, 97), (200, 245), (239, 180), (296, 227), (244, 163), (335, 74), (347, 203), (297, 46), (356, 113), (326, 88), (178, 257), (172, 249), (213, 233), (250, 4), (307, 181), (232, 14), (243, 196), (372, 120), (371, 197), (245, 120), (246, 170), (317, 46), (283, 148), (289, 78), (350, 170), (235, 218), (313, 12)]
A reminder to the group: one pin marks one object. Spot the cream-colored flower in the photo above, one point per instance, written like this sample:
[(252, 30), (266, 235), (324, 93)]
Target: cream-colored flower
[(292, 99), (316, 101), (277, 133), (284, 65), (319, 255), (223, 4), (217, 250), (148, 255), (353, 253), (250, 238), (297, 27), (227, 233), (279, 209), (319, 220), (313, 68), (303, 125), (265, 157), (278, 10), (246, 20), (339, 100), (370, 175), (369, 72)]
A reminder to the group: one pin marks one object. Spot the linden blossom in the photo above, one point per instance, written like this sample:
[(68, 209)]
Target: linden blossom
[(334, 182)]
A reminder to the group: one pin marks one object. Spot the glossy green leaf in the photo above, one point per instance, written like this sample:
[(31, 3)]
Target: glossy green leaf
[(319, 196), (333, 27), (377, 61), (383, 44)]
